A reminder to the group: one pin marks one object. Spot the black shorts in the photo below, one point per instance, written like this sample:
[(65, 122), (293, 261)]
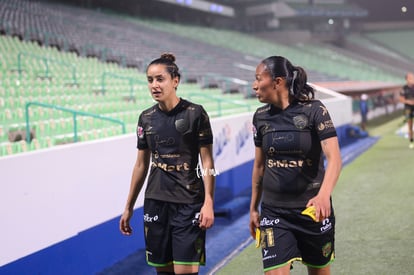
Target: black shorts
[(287, 235), (409, 112), (172, 234)]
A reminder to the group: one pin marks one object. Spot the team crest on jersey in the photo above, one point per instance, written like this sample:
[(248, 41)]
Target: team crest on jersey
[(300, 121), (140, 132), (182, 125)]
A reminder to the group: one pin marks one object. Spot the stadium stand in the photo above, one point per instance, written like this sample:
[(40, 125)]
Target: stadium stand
[(404, 39), (93, 62), (104, 89)]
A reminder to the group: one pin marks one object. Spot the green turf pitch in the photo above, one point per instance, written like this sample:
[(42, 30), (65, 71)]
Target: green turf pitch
[(374, 206)]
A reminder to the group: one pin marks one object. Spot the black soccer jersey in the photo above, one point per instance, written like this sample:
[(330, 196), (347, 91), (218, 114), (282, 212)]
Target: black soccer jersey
[(290, 140), (408, 93), (174, 139)]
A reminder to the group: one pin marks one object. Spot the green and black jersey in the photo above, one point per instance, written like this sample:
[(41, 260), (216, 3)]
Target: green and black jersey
[(174, 139), (291, 142)]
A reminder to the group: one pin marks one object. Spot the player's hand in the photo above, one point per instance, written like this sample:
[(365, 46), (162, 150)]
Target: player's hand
[(322, 206), (254, 223), (124, 226), (206, 218)]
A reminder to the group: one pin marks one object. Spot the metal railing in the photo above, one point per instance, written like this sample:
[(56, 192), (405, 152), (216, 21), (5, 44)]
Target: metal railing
[(130, 80), (220, 101), (75, 113)]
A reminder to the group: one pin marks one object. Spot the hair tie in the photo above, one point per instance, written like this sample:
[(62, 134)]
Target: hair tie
[(295, 73)]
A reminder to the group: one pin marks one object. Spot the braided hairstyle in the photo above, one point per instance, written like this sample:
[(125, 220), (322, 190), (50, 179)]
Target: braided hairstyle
[(167, 59), (296, 78)]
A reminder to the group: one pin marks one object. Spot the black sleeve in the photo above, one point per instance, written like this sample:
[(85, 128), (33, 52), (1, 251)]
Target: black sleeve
[(141, 137), (323, 122), (205, 134), (257, 137)]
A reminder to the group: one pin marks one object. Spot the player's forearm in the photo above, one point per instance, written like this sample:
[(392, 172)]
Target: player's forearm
[(208, 172), (137, 181), (257, 187), (332, 152), (333, 169), (209, 186), (331, 177)]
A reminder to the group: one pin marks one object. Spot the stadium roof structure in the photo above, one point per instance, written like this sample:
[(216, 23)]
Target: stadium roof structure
[(279, 8), (328, 10), (395, 10), (304, 9)]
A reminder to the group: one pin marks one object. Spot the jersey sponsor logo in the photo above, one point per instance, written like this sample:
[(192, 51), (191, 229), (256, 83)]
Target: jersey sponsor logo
[(148, 131), (282, 138), (300, 121), (325, 125), (196, 219), (326, 225), (171, 167), (269, 257), (148, 218), (266, 256), (266, 222), (168, 156), (159, 142), (288, 163), (205, 133)]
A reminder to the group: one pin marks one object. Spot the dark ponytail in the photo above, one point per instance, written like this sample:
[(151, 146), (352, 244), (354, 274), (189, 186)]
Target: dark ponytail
[(296, 78)]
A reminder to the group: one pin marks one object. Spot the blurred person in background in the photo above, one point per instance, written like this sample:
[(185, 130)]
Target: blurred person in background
[(363, 108), (407, 97), (292, 133), (178, 203)]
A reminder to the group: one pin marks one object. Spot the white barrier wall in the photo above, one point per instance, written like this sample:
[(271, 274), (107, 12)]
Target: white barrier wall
[(50, 195), (53, 194)]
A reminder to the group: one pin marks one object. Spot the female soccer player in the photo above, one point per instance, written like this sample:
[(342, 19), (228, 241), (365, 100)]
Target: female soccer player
[(292, 134), (178, 204)]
